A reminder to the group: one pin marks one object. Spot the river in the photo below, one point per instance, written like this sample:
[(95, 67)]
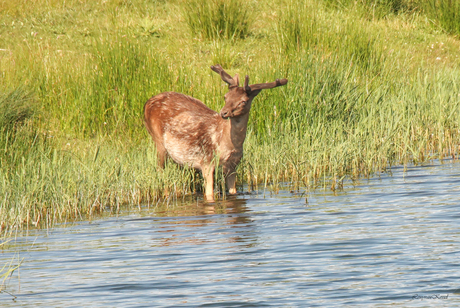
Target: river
[(391, 240)]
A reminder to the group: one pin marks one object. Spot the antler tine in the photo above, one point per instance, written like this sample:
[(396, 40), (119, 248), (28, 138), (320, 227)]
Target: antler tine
[(224, 75), (268, 85), (246, 84)]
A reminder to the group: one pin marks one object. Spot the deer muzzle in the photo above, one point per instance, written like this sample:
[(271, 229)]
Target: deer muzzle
[(225, 114)]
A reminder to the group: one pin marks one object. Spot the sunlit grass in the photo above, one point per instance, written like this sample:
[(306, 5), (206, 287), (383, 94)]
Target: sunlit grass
[(445, 13), (215, 19), (374, 8), (75, 77)]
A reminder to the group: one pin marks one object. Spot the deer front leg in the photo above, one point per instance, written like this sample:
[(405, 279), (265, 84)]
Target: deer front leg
[(231, 183), (230, 179), (208, 174)]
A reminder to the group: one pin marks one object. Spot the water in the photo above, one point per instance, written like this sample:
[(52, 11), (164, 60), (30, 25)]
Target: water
[(392, 240)]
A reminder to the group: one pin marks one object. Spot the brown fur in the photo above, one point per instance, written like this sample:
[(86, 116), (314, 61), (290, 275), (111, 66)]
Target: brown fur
[(192, 134)]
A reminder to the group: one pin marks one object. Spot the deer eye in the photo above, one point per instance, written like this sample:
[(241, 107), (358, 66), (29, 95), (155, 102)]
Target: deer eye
[(243, 102)]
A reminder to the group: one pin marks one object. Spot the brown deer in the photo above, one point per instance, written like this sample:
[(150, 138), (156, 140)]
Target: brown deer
[(192, 134)]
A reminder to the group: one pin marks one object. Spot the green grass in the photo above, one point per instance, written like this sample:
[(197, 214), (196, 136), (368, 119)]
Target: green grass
[(366, 91), (16, 106), (374, 8), (445, 13), (218, 19)]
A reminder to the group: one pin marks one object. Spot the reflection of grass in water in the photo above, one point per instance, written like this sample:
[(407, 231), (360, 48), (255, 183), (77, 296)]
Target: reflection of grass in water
[(363, 93)]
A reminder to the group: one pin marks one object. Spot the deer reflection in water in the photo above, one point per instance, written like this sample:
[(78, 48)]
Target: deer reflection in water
[(232, 214)]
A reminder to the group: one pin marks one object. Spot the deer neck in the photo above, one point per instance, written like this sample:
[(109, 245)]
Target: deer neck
[(237, 128)]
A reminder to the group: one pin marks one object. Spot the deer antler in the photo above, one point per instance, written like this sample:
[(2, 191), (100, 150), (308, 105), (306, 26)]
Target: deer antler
[(246, 84), (268, 85), (232, 82)]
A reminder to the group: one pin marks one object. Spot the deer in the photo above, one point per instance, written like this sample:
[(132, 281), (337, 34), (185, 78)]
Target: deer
[(184, 129)]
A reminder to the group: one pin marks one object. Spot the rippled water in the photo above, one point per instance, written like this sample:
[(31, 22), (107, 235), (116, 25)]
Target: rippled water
[(388, 241)]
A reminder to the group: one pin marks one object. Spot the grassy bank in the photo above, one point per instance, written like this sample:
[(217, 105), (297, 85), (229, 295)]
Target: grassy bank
[(371, 84)]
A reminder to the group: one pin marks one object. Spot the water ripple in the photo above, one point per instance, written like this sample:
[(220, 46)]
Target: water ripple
[(392, 240)]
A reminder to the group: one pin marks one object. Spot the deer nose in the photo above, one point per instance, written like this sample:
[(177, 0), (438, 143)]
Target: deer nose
[(224, 114)]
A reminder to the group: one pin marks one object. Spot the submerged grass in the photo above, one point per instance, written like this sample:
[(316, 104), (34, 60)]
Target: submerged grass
[(364, 93), (8, 268)]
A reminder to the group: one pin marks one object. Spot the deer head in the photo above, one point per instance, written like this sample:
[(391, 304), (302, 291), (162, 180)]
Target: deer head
[(238, 99)]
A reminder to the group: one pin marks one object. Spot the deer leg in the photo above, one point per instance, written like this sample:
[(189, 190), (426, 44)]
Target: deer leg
[(161, 155), (230, 180), (161, 159), (208, 174)]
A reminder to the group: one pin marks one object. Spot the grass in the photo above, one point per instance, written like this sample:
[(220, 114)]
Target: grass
[(374, 8), (366, 91), (446, 14), (218, 19)]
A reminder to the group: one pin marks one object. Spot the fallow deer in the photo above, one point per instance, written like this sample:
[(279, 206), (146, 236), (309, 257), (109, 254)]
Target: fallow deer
[(192, 134)]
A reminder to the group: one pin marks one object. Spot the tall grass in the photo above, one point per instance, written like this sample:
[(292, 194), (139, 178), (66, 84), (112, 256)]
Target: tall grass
[(106, 89), (301, 29), (77, 146), (331, 124), (17, 107), (373, 8), (446, 13), (50, 185), (297, 27), (214, 19)]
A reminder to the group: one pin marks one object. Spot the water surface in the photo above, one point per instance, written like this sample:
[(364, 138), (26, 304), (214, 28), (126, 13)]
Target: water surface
[(391, 240)]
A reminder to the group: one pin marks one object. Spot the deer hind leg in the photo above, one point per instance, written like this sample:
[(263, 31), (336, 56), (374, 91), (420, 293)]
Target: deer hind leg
[(208, 174), (161, 155), (155, 130)]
